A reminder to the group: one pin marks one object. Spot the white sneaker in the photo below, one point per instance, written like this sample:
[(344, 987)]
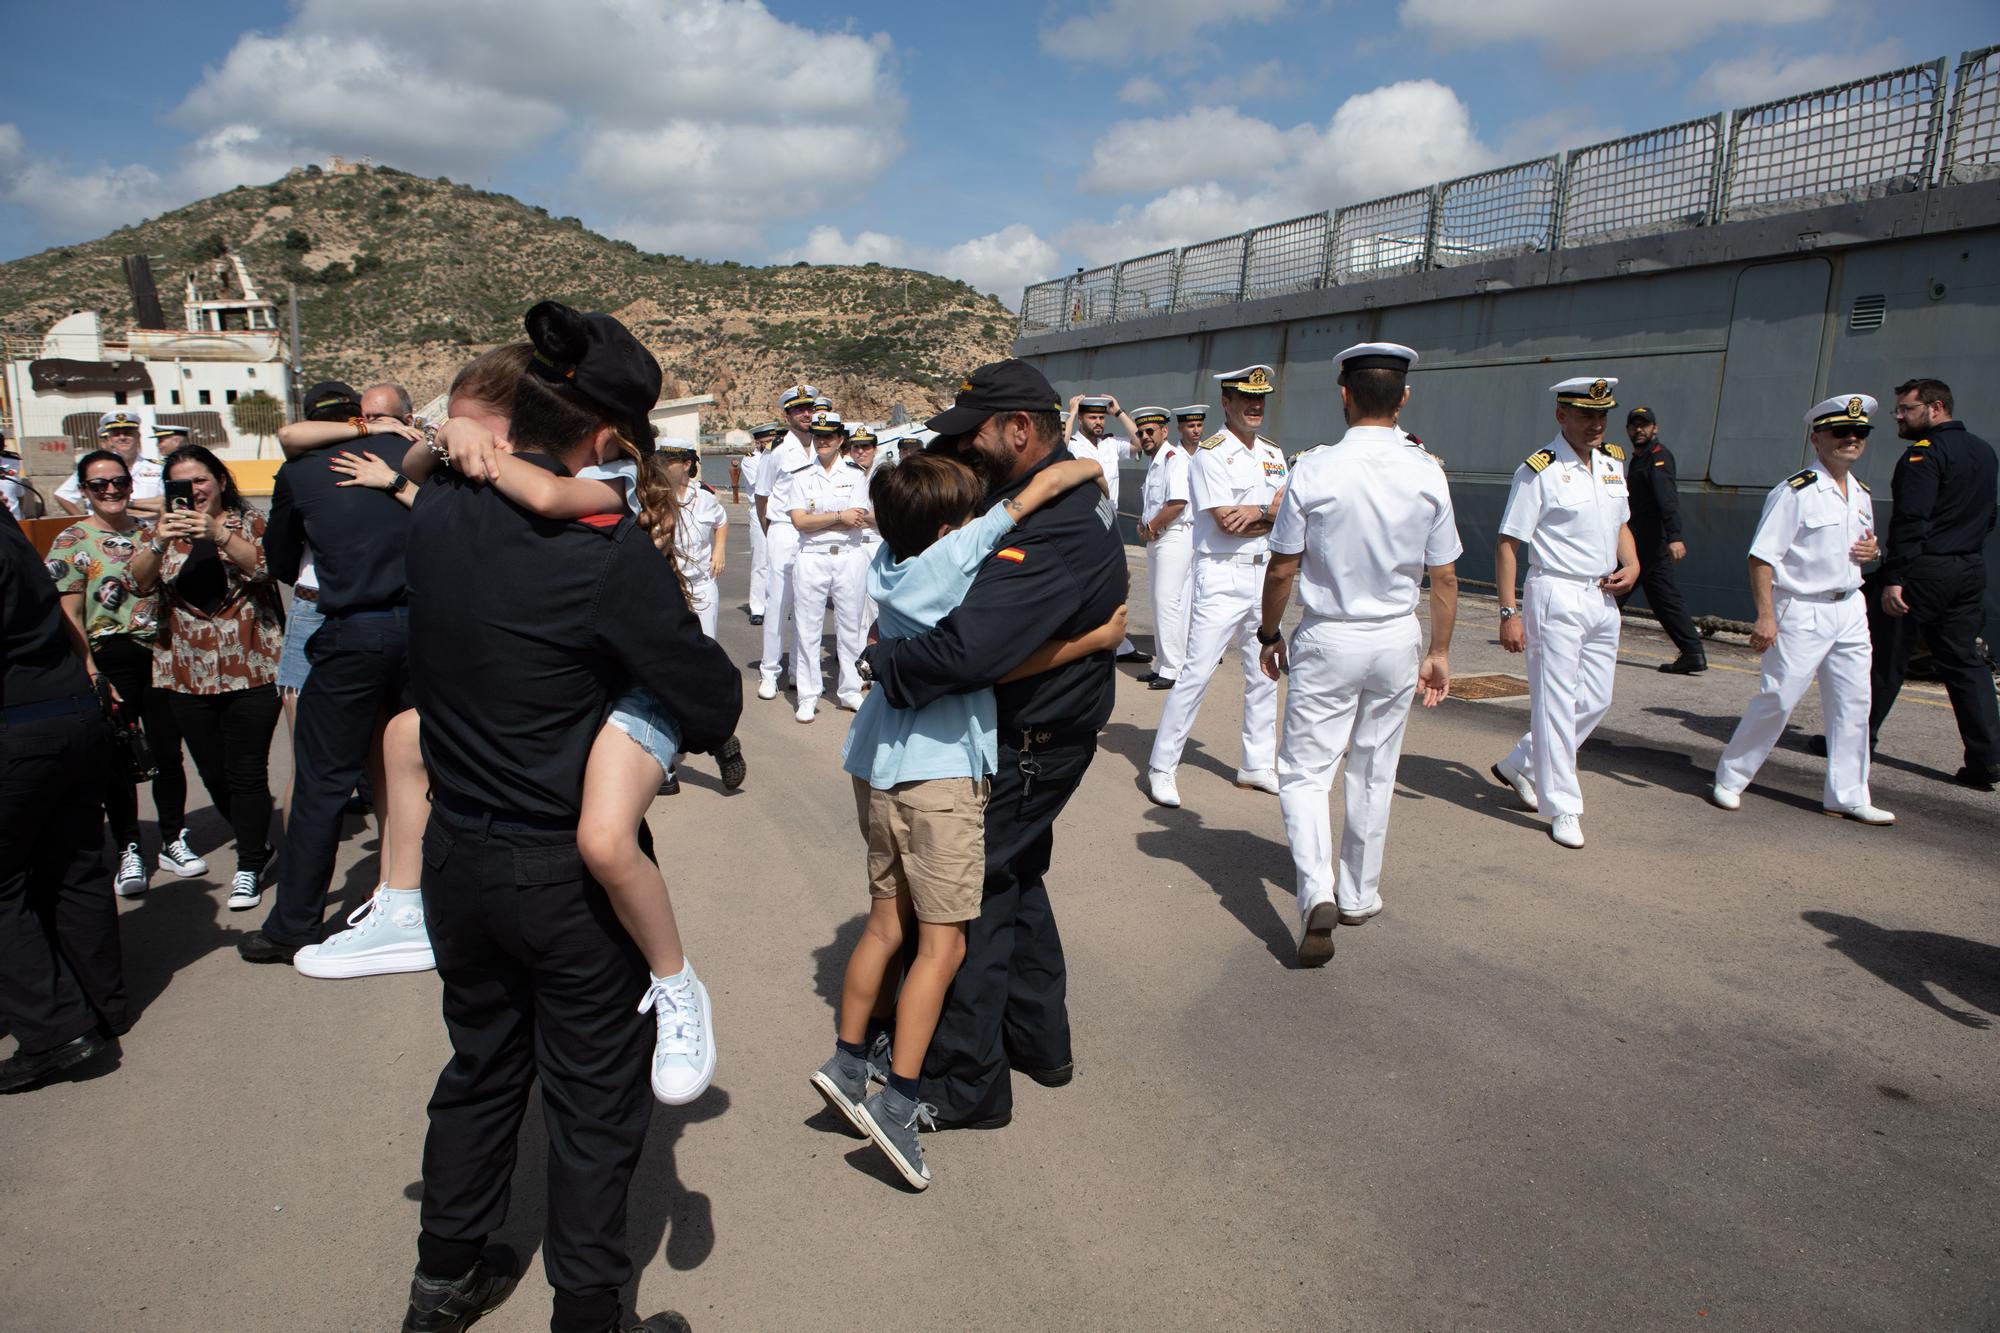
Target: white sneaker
[(131, 880), (1162, 788), (1518, 780), (1567, 830), (1257, 779), (1722, 798), (179, 856), (385, 934), (767, 688), (244, 891), (851, 702), (1362, 917), (1861, 814), (684, 1046), (808, 710)]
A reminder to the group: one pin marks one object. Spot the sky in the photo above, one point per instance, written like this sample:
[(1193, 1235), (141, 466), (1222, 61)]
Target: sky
[(1000, 142)]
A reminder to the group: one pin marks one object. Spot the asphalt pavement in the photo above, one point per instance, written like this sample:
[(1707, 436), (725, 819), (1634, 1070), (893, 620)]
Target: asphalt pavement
[(1713, 1071)]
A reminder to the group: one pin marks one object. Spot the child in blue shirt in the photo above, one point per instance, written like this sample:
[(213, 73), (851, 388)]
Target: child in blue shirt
[(920, 783)]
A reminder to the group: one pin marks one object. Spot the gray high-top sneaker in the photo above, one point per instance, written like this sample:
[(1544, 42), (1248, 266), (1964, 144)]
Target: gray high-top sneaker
[(891, 1119), (843, 1081)]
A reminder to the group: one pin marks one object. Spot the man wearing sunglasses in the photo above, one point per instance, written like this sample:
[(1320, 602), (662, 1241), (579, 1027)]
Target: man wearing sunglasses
[(1817, 530), (118, 431)]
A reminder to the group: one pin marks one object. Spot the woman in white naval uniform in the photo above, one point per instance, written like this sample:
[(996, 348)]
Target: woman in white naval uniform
[(760, 557), (790, 456), (1167, 528), (1817, 530), (829, 505), (1568, 505), (1237, 479), (1361, 523)]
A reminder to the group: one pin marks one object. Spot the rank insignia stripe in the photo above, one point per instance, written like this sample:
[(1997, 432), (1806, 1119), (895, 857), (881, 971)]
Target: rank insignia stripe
[(1616, 451), (1804, 478), (1541, 459), (1014, 553), (1214, 440)]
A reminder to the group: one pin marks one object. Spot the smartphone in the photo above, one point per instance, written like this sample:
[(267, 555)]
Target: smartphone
[(179, 495)]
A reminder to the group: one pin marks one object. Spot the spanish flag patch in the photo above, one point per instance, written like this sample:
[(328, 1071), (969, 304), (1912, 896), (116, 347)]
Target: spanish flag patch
[(1014, 553)]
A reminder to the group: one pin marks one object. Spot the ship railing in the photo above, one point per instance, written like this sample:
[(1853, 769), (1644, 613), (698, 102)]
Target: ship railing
[(1918, 127)]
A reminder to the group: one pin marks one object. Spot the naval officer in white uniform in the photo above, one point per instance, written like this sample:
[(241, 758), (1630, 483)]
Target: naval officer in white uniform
[(788, 458), (760, 557), (1090, 437), (1817, 530), (1361, 523), (1237, 478), (1568, 505), (1167, 528), (830, 508)]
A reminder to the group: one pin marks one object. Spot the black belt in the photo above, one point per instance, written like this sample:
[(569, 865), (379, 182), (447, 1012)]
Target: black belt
[(368, 612), (490, 815), (48, 708), (1038, 738)]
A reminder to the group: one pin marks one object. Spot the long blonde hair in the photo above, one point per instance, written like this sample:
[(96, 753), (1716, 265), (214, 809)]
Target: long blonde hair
[(660, 508)]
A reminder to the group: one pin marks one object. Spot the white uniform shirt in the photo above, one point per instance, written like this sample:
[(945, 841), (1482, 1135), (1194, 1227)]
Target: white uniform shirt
[(1106, 453), (149, 482), (1226, 472), (1369, 513), (869, 536), (819, 490), (702, 516), (1806, 530), (785, 458), (1167, 481), (1569, 513), (11, 490)]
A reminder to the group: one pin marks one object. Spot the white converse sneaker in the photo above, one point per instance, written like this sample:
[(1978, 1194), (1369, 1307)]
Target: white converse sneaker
[(1257, 779), (1567, 830), (767, 688), (131, 880), (1860, 814), (684, 1047), (385, 934), (245, 892), (1163, 790), (1722, 798), (179, 856), (1518, 780)]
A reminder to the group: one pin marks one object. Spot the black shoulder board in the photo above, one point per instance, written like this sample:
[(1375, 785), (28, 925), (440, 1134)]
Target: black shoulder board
[(1803, 478), (1617, 451), (1541, 459), (705, 486), (1864, 485)]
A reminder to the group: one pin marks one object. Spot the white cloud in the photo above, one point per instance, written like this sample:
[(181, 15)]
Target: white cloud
[(1602, 30), (1140, 91), (1000, 263), (1120, 31), (1554, 131), (1207, 142), (1763, 75), (75, 203)]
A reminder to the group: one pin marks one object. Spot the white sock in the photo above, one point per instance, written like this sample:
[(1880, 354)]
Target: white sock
[(684, 975), (412, 896)]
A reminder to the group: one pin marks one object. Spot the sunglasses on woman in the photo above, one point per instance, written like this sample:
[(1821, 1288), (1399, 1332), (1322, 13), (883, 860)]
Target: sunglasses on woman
[(106, 485)]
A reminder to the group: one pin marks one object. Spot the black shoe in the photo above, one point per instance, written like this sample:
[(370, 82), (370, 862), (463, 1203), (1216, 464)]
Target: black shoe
[(1160, 683), (1135, 656), (1148, 678), (257, 947), (671, 787), (357, 804), (666, 1321), (730, 757), (756, 620), (1981, 778), (440, 1306), (1050, 1078), (1687, 664), (22, 1070), (940, 1123)]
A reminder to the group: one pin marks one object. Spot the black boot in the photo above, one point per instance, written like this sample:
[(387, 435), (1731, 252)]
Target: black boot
[(23, 1070)]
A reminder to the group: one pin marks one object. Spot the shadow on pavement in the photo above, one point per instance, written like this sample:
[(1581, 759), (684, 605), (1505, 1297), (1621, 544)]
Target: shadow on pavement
[(1914, 961), (1235, 863), (177, 923), (1421, 776), (1135, 746)]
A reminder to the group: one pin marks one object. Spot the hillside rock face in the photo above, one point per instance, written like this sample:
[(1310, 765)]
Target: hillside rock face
[(402, 278)]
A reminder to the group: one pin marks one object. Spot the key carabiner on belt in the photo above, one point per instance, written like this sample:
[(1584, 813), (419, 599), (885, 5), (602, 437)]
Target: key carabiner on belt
[(1029, 766)]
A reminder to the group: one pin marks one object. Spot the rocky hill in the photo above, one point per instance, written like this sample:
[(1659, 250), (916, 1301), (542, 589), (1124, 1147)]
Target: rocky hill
[(404, 278)]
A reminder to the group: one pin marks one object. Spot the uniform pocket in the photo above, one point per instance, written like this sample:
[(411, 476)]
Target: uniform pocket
[(540, 867), (437, 845)]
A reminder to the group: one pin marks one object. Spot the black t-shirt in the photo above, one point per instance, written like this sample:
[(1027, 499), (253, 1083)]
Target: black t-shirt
[(358, 535), (36, 661)]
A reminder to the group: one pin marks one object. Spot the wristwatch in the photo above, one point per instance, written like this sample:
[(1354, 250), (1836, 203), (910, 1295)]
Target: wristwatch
[(1509, 612), (1276, 636), (402, 484)]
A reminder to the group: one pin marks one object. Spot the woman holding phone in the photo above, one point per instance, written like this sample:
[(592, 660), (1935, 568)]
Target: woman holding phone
[(223, 624)]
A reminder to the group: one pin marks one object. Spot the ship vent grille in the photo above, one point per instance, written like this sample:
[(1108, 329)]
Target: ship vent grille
[(1867, 313)]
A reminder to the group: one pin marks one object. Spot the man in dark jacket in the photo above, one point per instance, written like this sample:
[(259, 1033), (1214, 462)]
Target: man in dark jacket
[(1656, 532)]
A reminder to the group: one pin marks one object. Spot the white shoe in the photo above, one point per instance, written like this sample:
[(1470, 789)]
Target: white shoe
[(1722, 798), (1518, 780), (1257, 779), (1860, 814), (808, 710), (767, 688), (1162, 788), (131, 880), (851, 702), (1316, 935), (385, 934), (179, 856), (1362, 917), (1567, 830), (684, 1045)]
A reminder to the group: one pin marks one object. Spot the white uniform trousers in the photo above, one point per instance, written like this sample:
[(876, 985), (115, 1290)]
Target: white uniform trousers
[(1349, 694), (760, 565), (1171, 567), (1228, 603), (1572, 653), (781, 549), (704, 599), (838, 575), (1819, 638)]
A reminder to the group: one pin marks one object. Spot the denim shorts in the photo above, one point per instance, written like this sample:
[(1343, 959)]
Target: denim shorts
[(301, 623), (639, 715)]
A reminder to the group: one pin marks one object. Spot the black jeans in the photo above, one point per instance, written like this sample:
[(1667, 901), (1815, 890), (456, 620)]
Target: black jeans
[(1663, 592), (539, 979), (360, 674), (229, 737), (129, 665), (1947, 598), (62, 970), (1009, 1001)]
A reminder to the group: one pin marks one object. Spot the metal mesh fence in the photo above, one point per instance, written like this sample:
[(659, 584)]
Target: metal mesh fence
[(1287, 257), (1093, 297), (1042, 308), (1146, 285), (1662, 180), (1870, 136), (1973, 150), (1497, 213), (1211, 274), (1382, 236)]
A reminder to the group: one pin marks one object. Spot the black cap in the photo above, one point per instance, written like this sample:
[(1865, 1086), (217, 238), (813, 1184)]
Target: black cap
[(1641, 414), (1002, 386), (330, 400), (599, 358)]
